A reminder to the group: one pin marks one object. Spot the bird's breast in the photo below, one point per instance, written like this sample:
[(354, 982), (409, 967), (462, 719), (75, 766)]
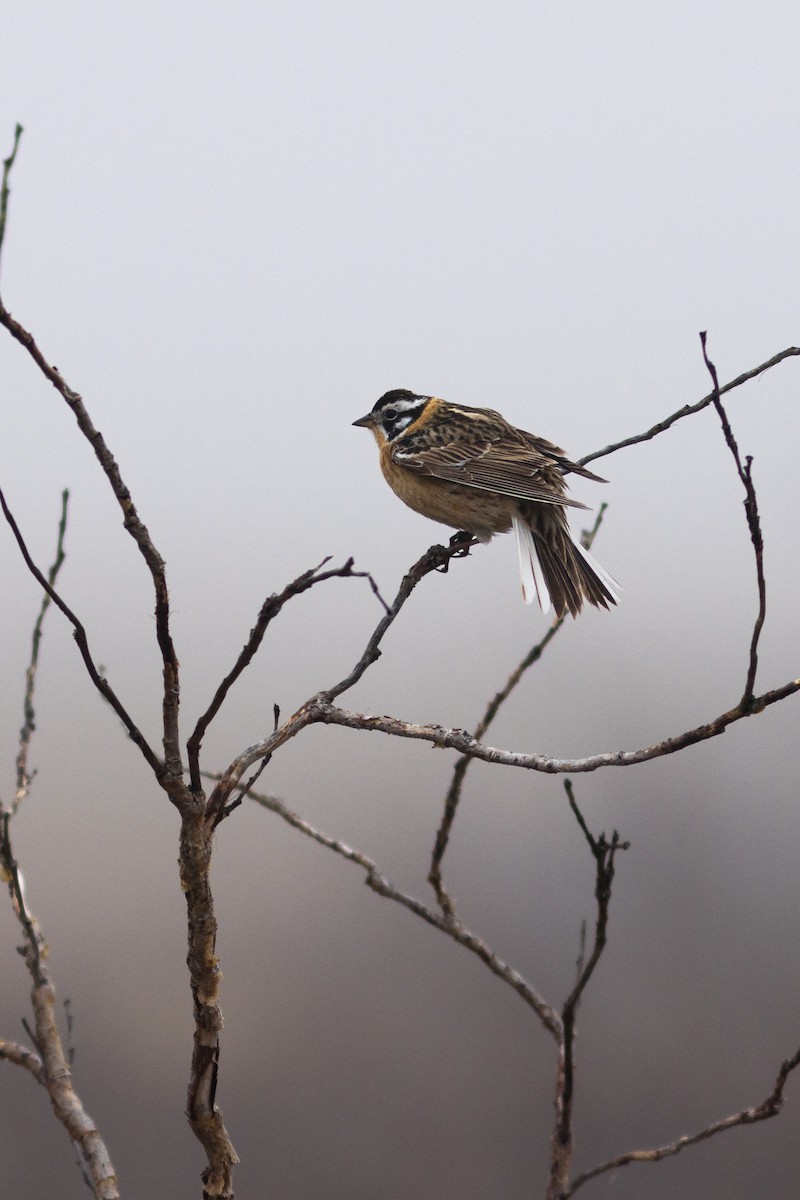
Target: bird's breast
[(455, 504)]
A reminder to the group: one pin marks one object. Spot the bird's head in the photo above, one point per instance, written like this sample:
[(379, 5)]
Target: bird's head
[(393, 414)]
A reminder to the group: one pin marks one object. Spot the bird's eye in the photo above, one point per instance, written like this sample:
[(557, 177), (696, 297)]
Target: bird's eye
[(390, 413)]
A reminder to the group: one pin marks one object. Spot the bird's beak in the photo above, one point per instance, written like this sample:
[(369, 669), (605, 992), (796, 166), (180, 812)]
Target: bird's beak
[(365, 422)]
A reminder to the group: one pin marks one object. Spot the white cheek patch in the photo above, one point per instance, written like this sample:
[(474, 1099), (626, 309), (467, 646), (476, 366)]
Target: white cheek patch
[(401, 422), (407, 413)]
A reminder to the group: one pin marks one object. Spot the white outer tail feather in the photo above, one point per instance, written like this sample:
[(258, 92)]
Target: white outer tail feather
[(601, 574), (531, 575)]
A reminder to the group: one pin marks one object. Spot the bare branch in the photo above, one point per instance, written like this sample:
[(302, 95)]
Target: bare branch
[(454, 929), (35, 950), (8, 163), (13, 1052), (437, 558), (50, 1065), (753, 524), (319, 710), (269, 610), (604, 853), (748, 1116), (29, 721), (67, 1106), (689, 409), (462, 766), (97, 679), (171, 771)]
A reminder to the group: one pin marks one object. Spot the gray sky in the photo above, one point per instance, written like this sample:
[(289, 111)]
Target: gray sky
[(232, 228)]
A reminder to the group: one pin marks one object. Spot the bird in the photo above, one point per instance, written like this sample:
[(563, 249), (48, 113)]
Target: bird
[(471, 469)]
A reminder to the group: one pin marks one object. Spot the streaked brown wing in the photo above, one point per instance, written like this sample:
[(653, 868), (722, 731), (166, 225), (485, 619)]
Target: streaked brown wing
[(496, 464)]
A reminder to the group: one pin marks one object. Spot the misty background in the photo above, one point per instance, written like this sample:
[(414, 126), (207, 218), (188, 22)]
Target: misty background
[(232, 228)]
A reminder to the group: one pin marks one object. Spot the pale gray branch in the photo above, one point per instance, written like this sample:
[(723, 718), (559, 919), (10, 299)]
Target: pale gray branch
[(748, 1116), (13, 1052), (453, 928)]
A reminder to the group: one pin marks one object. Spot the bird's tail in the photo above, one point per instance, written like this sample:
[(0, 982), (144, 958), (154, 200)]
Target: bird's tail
[(555, 569)]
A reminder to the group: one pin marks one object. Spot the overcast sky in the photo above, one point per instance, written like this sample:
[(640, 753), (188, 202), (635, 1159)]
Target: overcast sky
[(232, 227)]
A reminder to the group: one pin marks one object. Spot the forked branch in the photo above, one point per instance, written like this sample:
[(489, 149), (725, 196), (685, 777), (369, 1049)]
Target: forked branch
[(437, 558), (689, 410), (604, 853), (269, 610)]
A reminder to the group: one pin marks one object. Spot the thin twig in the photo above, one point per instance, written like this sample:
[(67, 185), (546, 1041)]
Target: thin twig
[(453, 796), (5, 189), (437, 558), (35, 949), (50, 1064), (454, 929), (753, 524), (689, 409), (604, 853), (170, 773), (748, 1116), (244, 789), (13, 1052), (29, 721), (97, 679), (269, 610)]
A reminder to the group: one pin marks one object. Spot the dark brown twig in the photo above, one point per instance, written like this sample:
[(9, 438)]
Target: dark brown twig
[(170, 773), (5, 189), (269, 610), (97, 679), (689, 409), (437, 558), (753, 524), (603, 852)]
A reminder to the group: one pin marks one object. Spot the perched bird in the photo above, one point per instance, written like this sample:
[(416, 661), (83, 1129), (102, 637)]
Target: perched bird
[(468, 468)]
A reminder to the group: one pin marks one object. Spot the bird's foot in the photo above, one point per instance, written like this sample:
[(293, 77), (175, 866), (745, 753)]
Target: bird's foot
[(462, 542)]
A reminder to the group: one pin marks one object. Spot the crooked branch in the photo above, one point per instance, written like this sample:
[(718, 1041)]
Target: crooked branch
[(319, 710), (4, 188), (604, 853), (269, 610), (748, 1116), (172, 770), (689, 409), (437, 558), (102, 685), (753, 524), (379, 884)]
